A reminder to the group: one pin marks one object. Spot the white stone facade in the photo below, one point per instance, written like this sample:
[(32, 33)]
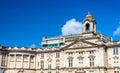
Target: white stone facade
[(89, 52)]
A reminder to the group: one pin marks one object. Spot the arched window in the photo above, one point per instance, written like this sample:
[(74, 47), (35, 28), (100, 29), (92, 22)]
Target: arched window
[(87, 27)]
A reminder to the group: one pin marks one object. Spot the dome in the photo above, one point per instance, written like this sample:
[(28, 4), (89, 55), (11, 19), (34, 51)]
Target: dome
[(88, 17)]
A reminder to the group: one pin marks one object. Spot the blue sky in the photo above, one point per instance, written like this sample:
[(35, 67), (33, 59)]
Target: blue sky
[(25, 22)]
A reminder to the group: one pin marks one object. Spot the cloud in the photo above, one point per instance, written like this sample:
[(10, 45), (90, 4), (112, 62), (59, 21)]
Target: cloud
[(33, 46), (117, 32), (71, 27)]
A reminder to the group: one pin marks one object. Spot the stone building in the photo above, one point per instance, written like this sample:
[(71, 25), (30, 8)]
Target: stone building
[(88, 52)]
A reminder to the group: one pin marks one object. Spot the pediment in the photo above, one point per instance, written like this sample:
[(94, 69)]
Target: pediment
[(79, 44)]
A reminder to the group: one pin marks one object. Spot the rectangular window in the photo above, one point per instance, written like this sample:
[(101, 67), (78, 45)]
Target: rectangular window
[(115, 51), (25, 57), (57, 54), (91, 71), (91, 62), (18, 57), (3, 60), (116, 61), (57, 66), (42, 64), (116, 71), (31, 58), (57, 71), (70, 62), (42, 55), (38, 64), (49, 66), (81, 62), (44, 45), (70, 72), (11, 57)]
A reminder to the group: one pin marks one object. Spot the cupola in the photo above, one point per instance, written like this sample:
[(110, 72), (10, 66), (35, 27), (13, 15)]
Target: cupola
[(88, 24)]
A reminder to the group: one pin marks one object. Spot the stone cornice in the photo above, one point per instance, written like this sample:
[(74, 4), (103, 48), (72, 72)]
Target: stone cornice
[(61, 48), (91, 56), (64, 68), (113, 45), (23, 51), (97, 67), (80, 57), (51, 50)]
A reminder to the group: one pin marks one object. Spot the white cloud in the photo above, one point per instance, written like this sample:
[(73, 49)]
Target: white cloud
[(33, 46), (117, 32), (71, 27)]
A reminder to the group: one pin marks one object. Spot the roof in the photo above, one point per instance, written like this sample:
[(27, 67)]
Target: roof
[(89, 17)]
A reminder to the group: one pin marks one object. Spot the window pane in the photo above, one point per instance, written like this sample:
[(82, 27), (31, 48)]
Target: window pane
[(42, 55), (115, 50), (57, 54)]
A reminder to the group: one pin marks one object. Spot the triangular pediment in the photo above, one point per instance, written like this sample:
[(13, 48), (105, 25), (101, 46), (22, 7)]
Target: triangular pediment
[(79, 44)]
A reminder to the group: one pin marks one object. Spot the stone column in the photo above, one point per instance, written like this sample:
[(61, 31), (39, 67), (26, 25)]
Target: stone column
[(91, 27), (6, 59), (22, 60), (29, 61), (34, 61), (94, 27), (15, 61), (0, 58)]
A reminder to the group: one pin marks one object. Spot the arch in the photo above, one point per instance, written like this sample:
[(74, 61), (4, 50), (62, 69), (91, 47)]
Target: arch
[(87, 27)]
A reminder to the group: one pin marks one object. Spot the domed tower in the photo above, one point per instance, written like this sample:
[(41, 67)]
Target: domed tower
[(88, 24)]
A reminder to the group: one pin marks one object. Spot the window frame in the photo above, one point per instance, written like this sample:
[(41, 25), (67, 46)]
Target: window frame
[(42, 55), (70, 62), (41, 64), (116, 71), (115, 51), (92, 62), (57, 54)]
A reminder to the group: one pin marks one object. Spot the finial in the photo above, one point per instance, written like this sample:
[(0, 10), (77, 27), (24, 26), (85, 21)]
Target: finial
[(88, 12), (88, 15)]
